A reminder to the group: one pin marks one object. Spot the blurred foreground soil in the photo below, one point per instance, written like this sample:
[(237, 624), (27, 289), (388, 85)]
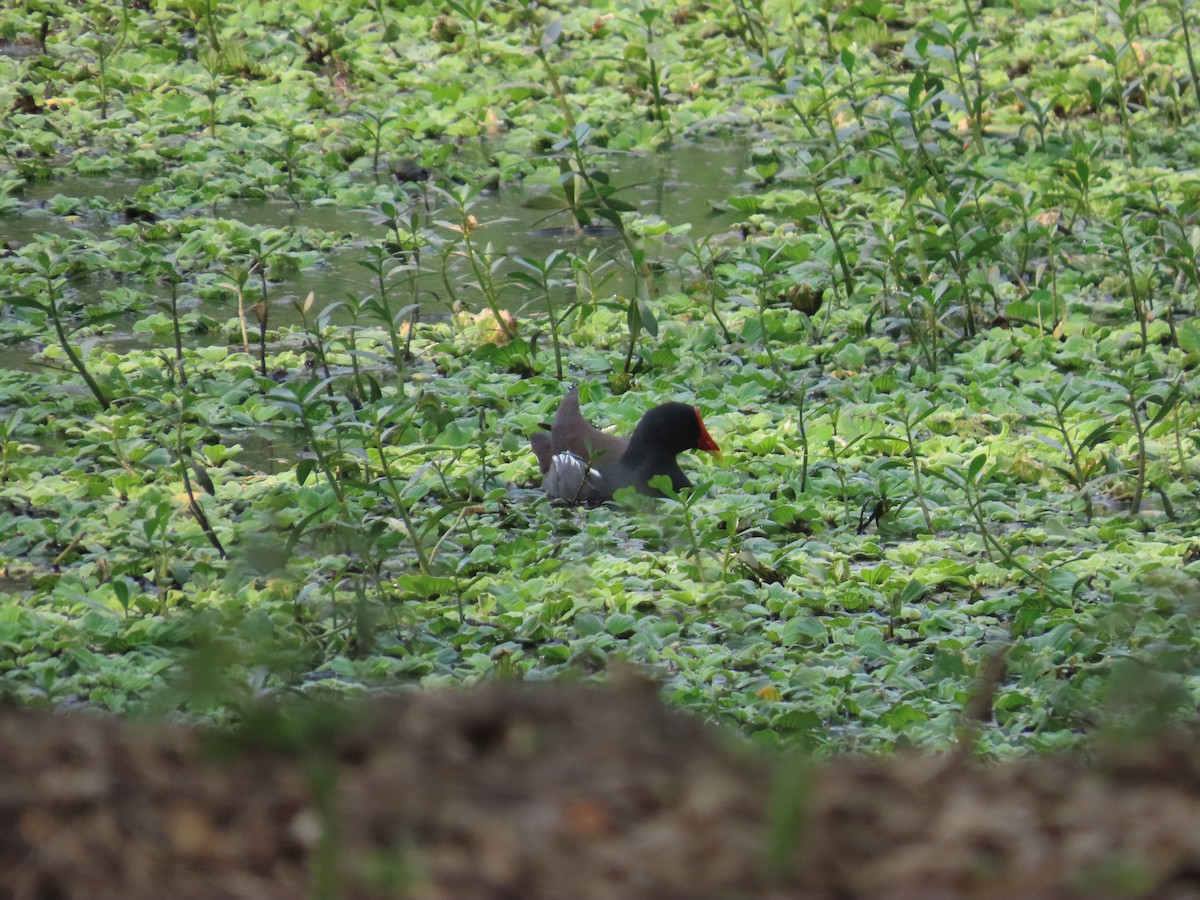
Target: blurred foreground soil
[(566, 792)]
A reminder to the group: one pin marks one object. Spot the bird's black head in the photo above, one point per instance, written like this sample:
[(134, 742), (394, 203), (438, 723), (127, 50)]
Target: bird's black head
[(674, 428)]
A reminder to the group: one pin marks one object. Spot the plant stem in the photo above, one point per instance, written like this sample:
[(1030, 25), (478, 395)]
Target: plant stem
[(1187, 43), (916, 467), (827, 222), (75, 359), (1139, 488)]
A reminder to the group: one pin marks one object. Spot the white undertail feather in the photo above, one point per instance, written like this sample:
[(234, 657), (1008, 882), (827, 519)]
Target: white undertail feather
[(570, 478)]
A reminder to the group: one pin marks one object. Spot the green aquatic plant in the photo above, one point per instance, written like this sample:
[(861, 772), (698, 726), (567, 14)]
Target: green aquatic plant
[(538, 275), (397, 318), (106, 37), (910, 413), (963, 46), (374, 127), (1074, 439), (42, 291), (475, 12), (484, 262), (644, 55), (1183, 11)]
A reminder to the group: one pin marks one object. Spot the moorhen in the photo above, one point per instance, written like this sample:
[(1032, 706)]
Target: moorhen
[(580, 462)]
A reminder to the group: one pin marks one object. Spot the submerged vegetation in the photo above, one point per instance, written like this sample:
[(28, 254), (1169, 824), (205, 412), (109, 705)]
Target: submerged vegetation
[(944, 328)]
